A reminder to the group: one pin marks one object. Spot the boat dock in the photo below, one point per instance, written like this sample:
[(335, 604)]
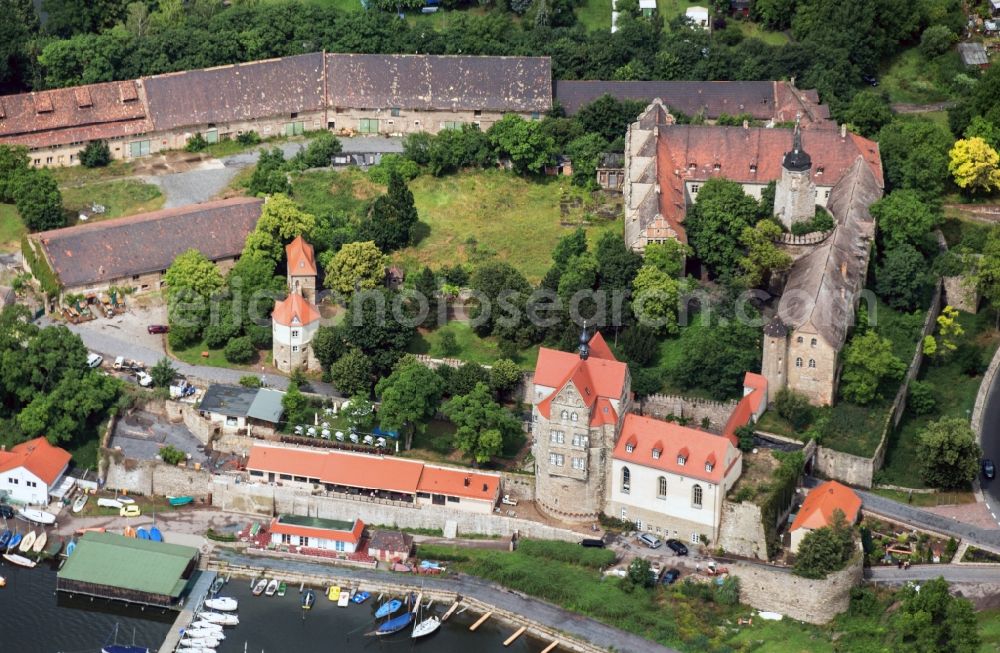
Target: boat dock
[(481, 621), (194, 600)]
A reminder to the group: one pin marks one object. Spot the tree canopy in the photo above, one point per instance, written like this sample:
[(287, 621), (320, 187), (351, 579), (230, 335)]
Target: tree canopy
[(484, 426), (281, 220), (716, 221), (410, 397), (868, 364), (392, 218), (825, 550), (948, 453), (357, 266)]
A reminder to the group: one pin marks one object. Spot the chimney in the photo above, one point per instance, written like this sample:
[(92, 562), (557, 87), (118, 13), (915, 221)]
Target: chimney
[(467, 481), (485, 487), (843, 130)]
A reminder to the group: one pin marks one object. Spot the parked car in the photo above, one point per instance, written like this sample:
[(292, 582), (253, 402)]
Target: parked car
[(6, 511), (130, 510), (677, 547), (94, 360), (650, 540), (671, 576), (158, 328), (989, 471), (592, 542), (144, 379)]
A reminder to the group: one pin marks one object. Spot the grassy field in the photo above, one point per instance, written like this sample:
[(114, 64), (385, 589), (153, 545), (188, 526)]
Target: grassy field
[(909, 77), (956, 396), (927, 499), (595, 15), (11, 229), (989, 630), (345, 192), (471, 347), (120, 198), (74, 175), (216, 358), (753, 30)]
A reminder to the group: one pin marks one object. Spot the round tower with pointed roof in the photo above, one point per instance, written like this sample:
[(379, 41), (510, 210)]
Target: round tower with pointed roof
[(795, 193)]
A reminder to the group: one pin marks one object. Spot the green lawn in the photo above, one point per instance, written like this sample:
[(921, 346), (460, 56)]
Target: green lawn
[(989, 630), (75, 175), (216, 358), (11, 229), (345, 192), (927, 499), (755, 31), (435, 443), (595, 15), (909, 77), (120, 198), (471, 347), (956, 396)]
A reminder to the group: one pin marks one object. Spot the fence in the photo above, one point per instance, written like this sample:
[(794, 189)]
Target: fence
[(813, 238)]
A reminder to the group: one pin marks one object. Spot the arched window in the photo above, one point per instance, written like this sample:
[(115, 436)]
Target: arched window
[(798, 362), (626, 480), (812, 363), (696, 496), (799, 340), (572, 417), (813, 343), (563, 415), (661, 487)]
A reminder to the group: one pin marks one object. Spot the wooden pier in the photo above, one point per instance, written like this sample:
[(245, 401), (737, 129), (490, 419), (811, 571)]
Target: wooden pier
[(451, 610), (551, 647), (481, 621), (186, 616), (517, 633)]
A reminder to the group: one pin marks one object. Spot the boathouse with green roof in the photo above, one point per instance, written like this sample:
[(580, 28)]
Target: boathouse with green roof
[(112, 566)]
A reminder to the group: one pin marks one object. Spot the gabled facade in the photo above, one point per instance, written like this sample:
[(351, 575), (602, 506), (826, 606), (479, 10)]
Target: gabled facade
[(316, 533), (30, 471), (295, 319), (818, 508)]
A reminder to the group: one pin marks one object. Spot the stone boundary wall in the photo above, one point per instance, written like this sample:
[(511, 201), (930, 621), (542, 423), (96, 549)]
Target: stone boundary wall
[(859, 470), (155, 477), (267, 500), (813, 238), (520, 487), (660, 406), (741, 531), (777, 589), (983, 395)]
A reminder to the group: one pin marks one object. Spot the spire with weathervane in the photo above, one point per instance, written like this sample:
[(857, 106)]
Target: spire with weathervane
[(584, 343)]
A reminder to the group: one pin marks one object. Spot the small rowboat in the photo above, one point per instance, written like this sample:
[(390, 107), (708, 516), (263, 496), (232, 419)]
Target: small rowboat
[(281, 588), (259, 587), (142, 534), (129, 532), (155, 534), (344, 600), (333, 593), (37, 516), (180, 501), (27, 542), (272, 587), (5, 538), (388, 608), (361, 597), (395, 624), (80, 502), (426, 627), (15, 539), (308, 599), (217, 585), (70, 548), (40, 542), (13, 558)]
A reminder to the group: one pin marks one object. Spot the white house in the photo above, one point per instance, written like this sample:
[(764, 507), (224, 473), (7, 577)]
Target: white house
[(671, 480), (316, 533), (31, 471)]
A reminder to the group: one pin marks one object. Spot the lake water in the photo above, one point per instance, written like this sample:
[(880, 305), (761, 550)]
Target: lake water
[(35, 619)]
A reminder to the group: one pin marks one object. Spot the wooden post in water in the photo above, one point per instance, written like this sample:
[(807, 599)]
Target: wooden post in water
[(416, 604), (517, 633), (481, 621), (551, 647), (451, 610)]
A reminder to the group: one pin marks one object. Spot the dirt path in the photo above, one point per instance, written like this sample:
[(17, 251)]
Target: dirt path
[(904, 107)]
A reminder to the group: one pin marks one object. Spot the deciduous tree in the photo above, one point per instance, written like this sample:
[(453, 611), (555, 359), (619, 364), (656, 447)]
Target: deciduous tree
[(38, 200), (410, 397), (763, 256), (948, 453), (357, 266), (504, 377), (931, 620), (281, 220), (163, 373), (529, 148), (617, 265), (902, 279), (716, 221), (655, 300), (868, 363), (484, 426), (351, 374), (903, 216), (825, 550), (975, 165), (371, 327)]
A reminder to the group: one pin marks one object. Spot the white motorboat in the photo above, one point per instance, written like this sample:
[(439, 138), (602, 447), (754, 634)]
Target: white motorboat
[(194, 649), (80, 502), (344, 599), (222, 603), (201, 623), (124, 500), (27, 542), (21, 561), (426, 627), (37, 516), (199, 633), (204, 642), (272, 587), (104, 502), (220, 618)]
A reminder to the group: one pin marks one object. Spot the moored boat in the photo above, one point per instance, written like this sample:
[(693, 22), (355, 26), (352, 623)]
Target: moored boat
[(3, 582), (19, 560), (198, 633), (272, 587), (27, 542), (344, 600), (142, 533), (125, 500), (222, 603), (282, 587), (124, 648), (80, 502), (426, 627), (15, 539), (155, 534), (361, 597), (220, 618), (55, 546), (308, 599), (259, 586), (209, 642), (201, 623), (388, 608), (194, 649), (395, 624), (333, 593), (39, 542), (217, 585), (37, 516), (70, 548), (129, 532), (5, 538), (180, 501)]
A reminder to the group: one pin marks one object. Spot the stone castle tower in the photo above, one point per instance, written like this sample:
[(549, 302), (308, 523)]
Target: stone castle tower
[(579, 401), (295, 319), (795, 194)]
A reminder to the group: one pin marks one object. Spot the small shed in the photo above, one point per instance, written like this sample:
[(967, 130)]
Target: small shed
[(974, 54), (390, 545), (227, 405), (647, 7), (698, 16), (266, 406)]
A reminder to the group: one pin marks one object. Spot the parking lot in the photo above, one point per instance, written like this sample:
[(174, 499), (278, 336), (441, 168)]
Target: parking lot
[(141, 435)]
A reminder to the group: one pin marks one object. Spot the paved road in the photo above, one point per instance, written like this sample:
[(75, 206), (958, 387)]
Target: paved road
[(574, 624), (951, 573), (991, 445), (980, 537), (211, 177)]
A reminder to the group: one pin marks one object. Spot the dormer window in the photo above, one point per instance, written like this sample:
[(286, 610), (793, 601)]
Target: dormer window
[(709, 467), (656, 454), (692, 166), (717, 167), (819, 170), (753, 168), (629, 448), (681, 460)]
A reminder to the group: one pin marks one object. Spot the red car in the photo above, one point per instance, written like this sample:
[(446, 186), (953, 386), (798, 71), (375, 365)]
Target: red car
[(158, 328)]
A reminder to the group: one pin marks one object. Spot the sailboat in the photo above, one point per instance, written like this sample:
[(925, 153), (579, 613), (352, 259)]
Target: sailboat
[(80, 502), (15, 539), (155, 534), (222, 604), (20, 560), (395, 624), (27, 542), (40, 542), (37, 516), (122, 648), (425, 627), (388, 608), (5, 538), (308, 599)]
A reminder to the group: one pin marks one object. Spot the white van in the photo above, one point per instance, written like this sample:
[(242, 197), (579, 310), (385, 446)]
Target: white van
[(94, 360)]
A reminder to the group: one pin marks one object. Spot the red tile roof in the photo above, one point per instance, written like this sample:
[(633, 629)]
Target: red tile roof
[(599, 348), (747, 407), (598, 377), (299, 255), (294, 310), (698, 447), (73, 115), (817, 509), (353, 535), (38, 457), (373, 472)]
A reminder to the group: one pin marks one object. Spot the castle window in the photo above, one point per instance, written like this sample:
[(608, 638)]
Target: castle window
[(557, 437), (798, 362), (681, 460), (295, 333), (626, 480), (629, 448), (578, 463), (579, 440), (295, 348), (556, 459), (656, 454), (573, 417), (661, 487), (696, 496), (812, 363), (827, 194), (799, 340), (694, 189), (813, 342), (563, 415)]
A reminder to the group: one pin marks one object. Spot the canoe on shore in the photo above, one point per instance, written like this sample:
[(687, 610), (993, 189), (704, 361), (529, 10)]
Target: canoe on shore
[(180, 501)]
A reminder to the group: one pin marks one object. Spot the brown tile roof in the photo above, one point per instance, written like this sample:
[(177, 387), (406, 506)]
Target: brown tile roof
[(71, 115), (692, 98), (294, 310), (112, 249), (391, 541), (366, 81), (238, 92), (299, 255)]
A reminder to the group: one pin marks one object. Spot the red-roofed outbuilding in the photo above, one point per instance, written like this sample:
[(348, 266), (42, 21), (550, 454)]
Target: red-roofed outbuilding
[(30, 471)]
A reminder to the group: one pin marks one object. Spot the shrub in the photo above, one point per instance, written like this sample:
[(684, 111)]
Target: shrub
[(820, 223), (172, 455), (935, 41), (95, 155), (447, 344), (567, 552), (921, 399), (745, 434), (250, 381), (248, 138), (390, 163), (729, 592), (196, 143), (239, 350), (970, 359), (794, 407)]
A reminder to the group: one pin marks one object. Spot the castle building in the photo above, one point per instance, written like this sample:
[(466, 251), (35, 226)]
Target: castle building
[(295, 319), (594, 455), (665, 167)]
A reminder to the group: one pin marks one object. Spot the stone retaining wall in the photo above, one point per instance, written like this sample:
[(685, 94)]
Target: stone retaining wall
[(155, 477), (741, 531), (983, 395), (776, 589), (695, 410)]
